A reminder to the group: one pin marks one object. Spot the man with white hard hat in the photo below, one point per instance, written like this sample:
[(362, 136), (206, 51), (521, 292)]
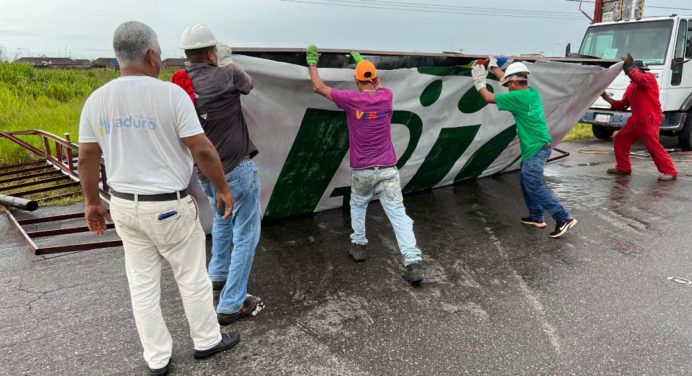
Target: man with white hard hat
[(217, 92), (148, 134), (524, 102)]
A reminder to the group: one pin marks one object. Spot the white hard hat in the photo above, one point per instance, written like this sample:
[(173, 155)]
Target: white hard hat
[(197, 36), (513, 69), (223, 53)]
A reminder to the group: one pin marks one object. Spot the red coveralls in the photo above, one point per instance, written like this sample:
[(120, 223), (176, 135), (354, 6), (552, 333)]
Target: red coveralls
[(642, 96)]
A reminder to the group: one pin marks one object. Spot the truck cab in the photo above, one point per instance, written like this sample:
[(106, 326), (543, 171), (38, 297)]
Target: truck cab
[(665, 46)]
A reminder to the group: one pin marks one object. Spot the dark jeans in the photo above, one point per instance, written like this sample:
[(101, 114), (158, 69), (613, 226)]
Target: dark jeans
[(536, 195)]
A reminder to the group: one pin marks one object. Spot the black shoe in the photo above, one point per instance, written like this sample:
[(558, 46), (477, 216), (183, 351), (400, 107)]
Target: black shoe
[(533, 222), (218, 285), (414, 274), (251, 307), (228, 340), (163, 371), (562, 227), (357, 252), (615, 171)]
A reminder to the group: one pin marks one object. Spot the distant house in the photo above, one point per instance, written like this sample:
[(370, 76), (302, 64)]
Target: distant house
[(84, 63), (174, 63), (105, 62), (49, 62)]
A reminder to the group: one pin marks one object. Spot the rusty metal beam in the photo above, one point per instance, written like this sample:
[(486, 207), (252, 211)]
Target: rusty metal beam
[(24, 164), (31, 176), (63, 231), (10, 173), (30, 243), (45, 189), (55, 218), (34, 183), (78, 247)]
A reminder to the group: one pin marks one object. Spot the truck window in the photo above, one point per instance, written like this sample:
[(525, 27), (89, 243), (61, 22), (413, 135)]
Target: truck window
[(688, 51), (681, 41), (647, 41)]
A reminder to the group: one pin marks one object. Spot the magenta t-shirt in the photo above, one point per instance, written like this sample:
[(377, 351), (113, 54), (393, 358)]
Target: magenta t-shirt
[(369, 117)]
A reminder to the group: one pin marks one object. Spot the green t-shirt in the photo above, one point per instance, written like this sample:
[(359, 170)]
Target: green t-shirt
[(525, 106)]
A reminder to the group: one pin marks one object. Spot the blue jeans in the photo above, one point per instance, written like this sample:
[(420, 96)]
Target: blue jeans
[(242, 229), (382, 183), (536, 195)]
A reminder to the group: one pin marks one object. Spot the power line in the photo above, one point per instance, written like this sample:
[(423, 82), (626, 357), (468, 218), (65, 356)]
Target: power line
[(645, 6), (427, 8)]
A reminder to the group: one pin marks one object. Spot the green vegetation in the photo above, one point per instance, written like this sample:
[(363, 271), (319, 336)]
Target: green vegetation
[(580, 131), (46, 99), (49, 100)]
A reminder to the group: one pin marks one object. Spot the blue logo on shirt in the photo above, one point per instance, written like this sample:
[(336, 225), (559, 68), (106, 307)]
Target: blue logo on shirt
[(129, 122)]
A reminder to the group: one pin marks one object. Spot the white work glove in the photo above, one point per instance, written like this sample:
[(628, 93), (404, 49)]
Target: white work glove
[(479, 74), (223, 53), (492, 62)]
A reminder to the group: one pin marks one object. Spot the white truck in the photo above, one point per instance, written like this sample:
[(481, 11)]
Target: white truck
[(665, 45)]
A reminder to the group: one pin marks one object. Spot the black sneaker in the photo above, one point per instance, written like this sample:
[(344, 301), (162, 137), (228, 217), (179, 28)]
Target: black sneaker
[(163, 371), (414, 273), (251, 307), (218, 285), (562, 227), (228, 340), (357, 252), (615, 171), (533, 222)]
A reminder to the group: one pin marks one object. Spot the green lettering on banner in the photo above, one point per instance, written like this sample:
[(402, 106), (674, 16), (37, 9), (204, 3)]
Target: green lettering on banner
[(415, 128), (315, 156), (431, 93), (472, 101), (486, 155), (450, 145)]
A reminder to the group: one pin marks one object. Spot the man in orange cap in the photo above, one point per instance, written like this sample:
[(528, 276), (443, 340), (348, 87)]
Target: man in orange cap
[(373, 161)]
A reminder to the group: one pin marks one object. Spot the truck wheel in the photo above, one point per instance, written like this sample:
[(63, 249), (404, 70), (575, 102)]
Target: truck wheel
[(601, 132), (685, 137)]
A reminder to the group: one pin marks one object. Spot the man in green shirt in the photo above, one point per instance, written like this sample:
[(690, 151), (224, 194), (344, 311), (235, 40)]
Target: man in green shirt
[(524, 103)]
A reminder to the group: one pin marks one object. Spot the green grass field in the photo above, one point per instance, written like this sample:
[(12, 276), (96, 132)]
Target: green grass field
[(45, 99)]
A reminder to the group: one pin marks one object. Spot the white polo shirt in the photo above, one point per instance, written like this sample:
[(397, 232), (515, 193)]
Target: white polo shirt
[(138, 121)]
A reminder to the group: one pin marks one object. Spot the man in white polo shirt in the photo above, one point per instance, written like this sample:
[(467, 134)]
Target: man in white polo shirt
[(148, 134)]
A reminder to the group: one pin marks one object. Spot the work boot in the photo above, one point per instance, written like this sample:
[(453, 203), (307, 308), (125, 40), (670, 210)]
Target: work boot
[(414, 273), (615, 171), (666, 177), (357, 252)]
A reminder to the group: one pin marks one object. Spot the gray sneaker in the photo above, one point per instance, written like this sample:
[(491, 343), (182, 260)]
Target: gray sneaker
[(414, 273), (666, 177), (357, 252)]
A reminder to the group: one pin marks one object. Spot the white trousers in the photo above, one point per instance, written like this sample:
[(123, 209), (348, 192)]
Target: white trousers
[(178, 239)]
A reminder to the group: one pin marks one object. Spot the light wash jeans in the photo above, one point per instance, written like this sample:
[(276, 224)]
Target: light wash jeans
[(382, 183), (536, 195), (180, 240), (242, 229)]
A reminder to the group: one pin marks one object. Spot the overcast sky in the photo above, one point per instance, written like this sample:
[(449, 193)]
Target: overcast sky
[(84, 29)]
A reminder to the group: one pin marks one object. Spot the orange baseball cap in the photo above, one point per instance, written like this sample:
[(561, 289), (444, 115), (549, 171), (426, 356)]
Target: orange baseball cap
[(365, 71)]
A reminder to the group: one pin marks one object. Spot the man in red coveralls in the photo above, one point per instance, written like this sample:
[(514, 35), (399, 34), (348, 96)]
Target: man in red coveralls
[(642, 97)]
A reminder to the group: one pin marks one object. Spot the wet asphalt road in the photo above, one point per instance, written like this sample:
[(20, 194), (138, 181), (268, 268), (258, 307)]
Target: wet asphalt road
[(500, 298)]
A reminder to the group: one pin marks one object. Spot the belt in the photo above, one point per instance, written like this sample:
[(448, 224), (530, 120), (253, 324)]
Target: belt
[(156, 197), (375, 167)]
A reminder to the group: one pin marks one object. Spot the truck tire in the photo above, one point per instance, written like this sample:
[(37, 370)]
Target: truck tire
[(685, 136), (601, 132)]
